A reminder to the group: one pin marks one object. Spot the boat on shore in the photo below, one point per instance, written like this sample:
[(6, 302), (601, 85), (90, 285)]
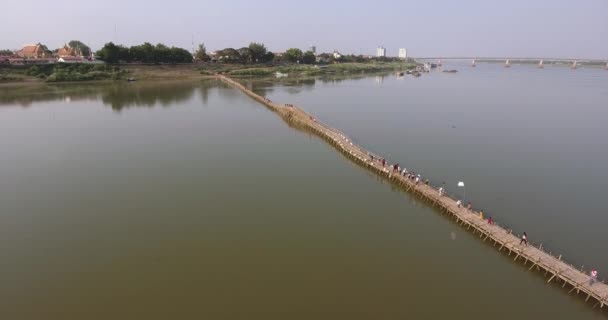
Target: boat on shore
[(507, 64), (450, 71), (540, 64)]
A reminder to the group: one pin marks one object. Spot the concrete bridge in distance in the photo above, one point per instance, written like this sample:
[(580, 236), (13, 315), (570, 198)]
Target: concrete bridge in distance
[(514, 59)]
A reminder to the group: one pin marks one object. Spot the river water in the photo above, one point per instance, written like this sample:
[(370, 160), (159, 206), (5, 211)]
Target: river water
[(188, 199)]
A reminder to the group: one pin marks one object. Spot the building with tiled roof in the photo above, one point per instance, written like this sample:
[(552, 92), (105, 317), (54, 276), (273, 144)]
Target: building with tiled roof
[(33, 51), (67, 51)]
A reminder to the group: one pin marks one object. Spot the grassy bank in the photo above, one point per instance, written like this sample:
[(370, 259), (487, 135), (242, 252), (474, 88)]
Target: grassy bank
[(314, 70), (163, 71), (88, 72), (61, 73)]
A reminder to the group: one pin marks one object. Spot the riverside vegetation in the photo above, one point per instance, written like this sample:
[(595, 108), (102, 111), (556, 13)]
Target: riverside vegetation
[(63, 72), (159, 61)]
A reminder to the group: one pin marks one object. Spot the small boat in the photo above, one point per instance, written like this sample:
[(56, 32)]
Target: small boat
[(507, 64), (400, 74), (280, 75), (131, 79), (473, 63), (540, 64), (450, 71), (439, 62), (574, 65)]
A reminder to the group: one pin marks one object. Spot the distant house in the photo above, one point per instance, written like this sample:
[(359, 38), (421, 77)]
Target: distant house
[(33, 51), (78, 60), (337, 55), (16, 61), (213, 57), (67, 51), (40, 61), (5, 59), (70, 59)]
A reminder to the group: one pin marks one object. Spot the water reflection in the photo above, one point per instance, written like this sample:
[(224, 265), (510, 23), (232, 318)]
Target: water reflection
[(117, 95)]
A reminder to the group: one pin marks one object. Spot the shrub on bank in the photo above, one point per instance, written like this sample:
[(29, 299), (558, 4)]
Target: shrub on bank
[(252, 72)]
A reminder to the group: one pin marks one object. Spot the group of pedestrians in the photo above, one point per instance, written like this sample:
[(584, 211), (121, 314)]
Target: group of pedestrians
[(289, 105), (417, 178)]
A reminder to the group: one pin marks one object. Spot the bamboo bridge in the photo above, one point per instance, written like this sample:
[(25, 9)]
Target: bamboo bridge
[(502, 238)]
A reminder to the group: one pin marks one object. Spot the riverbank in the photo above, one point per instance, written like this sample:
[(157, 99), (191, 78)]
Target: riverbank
[(501, 238), (84, 72), (297, 70)]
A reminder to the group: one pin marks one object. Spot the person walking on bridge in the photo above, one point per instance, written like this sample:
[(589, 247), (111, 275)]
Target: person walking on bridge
[(524, 239), (593, 278)]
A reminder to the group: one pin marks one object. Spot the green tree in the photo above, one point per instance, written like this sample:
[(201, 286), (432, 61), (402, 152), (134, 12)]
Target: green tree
[(84, 49), (201, 53), (110, 53), (245, 54), (258, 52), (309, 57), (268, 57), (6, 52), (293, 55), (229, 55)]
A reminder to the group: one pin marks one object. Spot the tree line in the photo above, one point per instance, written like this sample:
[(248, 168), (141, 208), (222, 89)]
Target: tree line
[(254, 53), (145, 53)]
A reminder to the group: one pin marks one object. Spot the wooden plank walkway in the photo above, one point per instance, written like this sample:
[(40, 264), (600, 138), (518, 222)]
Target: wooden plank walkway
[(503, 239)]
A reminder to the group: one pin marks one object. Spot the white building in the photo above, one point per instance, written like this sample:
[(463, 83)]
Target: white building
[(403, 53), (381, 52), (337, 55)]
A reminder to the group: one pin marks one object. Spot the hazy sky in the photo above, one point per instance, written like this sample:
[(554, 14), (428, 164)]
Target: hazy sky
[(535, 28)]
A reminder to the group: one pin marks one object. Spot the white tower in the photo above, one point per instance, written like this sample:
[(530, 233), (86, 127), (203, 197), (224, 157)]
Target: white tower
[(380, 52), (403, 53)]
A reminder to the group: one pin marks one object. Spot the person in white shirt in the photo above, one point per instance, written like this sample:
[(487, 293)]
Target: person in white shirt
[(593, 277), (524, 239), (459, 203)]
